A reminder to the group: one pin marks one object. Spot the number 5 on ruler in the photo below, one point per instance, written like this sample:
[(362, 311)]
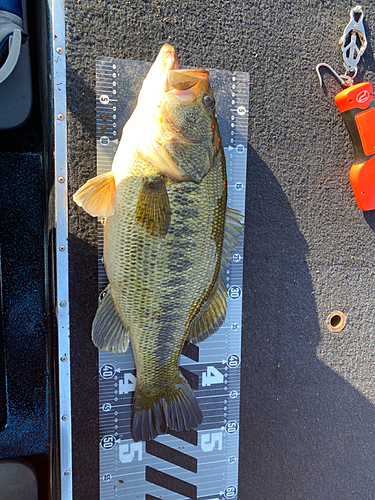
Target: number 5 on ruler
[(208, 441)]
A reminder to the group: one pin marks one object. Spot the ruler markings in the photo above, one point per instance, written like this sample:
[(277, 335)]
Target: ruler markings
[(217, 438)]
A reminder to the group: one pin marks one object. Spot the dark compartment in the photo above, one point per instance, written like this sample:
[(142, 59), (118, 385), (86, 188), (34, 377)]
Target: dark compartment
[(26, 335)]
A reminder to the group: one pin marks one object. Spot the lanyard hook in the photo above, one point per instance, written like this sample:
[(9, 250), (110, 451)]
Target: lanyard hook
[(351, 51), (345, 80)]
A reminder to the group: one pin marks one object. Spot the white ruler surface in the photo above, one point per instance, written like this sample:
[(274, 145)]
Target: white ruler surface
[(201, 464)]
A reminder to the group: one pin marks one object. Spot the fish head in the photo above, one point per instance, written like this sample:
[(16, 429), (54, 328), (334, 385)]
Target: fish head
[(172, 124), (188, 104), (187, 118)]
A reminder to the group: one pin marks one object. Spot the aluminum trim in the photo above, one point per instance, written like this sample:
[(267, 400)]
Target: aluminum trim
[(62, 284)]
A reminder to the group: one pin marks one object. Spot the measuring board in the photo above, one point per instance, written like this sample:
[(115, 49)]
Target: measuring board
[(199, 464)]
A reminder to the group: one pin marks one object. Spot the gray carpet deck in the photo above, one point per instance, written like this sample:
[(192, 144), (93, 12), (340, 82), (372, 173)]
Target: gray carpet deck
[(307, 408)]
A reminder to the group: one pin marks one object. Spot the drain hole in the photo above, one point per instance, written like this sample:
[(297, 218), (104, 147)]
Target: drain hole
[(336, 321)]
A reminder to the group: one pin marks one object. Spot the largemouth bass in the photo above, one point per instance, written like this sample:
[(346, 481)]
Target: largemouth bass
[(168, 238)]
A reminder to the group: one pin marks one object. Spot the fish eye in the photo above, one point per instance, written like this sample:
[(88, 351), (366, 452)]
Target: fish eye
[(208, 101)]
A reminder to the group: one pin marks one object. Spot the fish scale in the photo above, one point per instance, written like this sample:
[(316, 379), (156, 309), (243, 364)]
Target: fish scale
[(174, 255), (214, 447)]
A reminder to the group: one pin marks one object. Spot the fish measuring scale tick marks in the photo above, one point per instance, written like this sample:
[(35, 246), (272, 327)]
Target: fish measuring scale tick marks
[(214, 443), (140, 282)]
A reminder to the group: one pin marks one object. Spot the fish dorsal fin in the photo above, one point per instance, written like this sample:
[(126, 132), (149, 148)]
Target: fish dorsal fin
[(213, 313), (109, 332), (212, 318), (233, 230), (153, 210), (97, 195)]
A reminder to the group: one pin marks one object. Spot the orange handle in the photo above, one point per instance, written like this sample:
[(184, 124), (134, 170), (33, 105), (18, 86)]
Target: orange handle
[(356, 106)]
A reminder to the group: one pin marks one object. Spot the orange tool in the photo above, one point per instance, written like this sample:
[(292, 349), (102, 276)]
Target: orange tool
[(357, 108)]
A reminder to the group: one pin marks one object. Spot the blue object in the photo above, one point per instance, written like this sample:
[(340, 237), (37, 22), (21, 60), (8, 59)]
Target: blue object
[(12, 36), (14, 6), (15, 66)]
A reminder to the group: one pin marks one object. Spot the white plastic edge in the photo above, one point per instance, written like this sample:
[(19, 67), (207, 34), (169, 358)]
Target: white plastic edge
[(14, 53), (62, 293)]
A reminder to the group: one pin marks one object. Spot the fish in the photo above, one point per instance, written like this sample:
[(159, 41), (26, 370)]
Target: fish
[(168, 238)]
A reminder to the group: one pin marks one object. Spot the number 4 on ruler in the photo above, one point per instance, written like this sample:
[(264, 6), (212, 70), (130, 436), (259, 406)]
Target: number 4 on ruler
[(128, 384), (212, 376)]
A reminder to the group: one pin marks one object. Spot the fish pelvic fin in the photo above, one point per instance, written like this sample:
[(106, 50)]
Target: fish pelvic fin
[(109, 333), (213, 312), (153, 210), (97, 195), (177, 410)]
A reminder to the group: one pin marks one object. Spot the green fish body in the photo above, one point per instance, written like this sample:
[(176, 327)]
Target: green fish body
[(168, 237)]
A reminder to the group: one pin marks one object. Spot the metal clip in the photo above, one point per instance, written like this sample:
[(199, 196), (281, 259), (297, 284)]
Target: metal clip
[(352, 52)]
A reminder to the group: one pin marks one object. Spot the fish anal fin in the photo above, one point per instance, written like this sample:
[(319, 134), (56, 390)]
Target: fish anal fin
[(212, 316), (97, 195), (176, 409), (109, 332), (153, 210)]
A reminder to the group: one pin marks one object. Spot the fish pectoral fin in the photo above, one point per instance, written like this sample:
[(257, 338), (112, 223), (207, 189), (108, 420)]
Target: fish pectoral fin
[(153, 210), (109, 332), (212, 317), (97, 195)]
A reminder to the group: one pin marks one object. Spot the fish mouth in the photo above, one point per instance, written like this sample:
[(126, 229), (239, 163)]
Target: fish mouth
[(156, 82), (187, 84), (168, 58), (191, 80)]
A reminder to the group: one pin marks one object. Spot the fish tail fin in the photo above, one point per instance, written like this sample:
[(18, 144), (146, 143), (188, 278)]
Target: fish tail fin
[(177, 410)]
